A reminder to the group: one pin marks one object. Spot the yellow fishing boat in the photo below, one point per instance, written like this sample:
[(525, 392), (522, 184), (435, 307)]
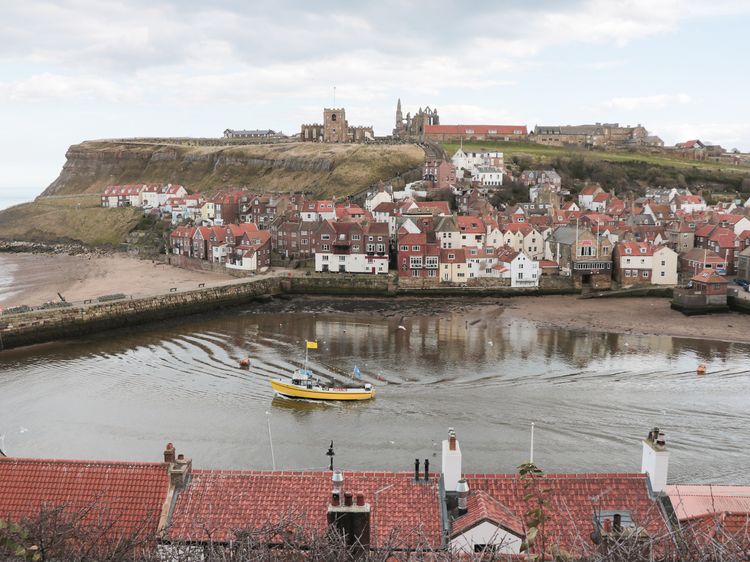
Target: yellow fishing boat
[(304, 386)]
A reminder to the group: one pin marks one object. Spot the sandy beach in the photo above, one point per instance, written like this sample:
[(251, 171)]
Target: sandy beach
[(647, 316), (33, 279)]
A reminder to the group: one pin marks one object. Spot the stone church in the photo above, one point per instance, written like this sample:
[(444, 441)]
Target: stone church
[(335, 129), (412, 127)]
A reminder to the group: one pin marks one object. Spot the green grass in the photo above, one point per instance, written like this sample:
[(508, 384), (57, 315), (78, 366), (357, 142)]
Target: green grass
[(544, 153), (66, 219)]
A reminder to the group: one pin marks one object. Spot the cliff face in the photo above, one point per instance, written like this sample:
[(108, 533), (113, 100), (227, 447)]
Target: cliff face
[(312, 167)]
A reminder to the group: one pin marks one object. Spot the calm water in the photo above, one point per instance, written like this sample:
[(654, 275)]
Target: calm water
[(592, 396)]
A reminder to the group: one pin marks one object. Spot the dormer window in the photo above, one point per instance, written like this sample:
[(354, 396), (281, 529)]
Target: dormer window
[(643, 250), (627, 250)]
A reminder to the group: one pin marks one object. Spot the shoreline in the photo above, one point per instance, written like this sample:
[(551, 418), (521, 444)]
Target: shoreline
[(39, 277)]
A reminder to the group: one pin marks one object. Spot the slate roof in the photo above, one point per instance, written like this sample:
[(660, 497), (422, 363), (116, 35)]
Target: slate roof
[(222, 501), (130, 495)]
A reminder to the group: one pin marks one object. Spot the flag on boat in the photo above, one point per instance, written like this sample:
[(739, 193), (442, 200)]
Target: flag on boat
[(357, 372), (312, 345)]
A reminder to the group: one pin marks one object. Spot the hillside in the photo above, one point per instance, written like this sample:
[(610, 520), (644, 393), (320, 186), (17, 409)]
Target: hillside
[(621, 171), (68, 219), (322, 169)]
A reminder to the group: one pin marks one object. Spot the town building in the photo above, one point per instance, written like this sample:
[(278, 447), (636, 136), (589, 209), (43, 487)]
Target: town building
[(641, 263), (252, 134), (597, 135), (581, 255), (349, 247), (457, 133)]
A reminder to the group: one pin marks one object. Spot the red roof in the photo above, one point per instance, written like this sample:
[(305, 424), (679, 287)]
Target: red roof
[(459, 255), (709, 276), (475, 129), (483, 507), (223, 501), (442, 207), (691, 501), (636, 249), (573, 500), (127, 495), (470, 225)]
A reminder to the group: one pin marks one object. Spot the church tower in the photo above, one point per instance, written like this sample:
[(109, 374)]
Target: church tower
[(399, 115)]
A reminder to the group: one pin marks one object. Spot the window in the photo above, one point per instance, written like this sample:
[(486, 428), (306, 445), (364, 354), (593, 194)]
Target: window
[(304, 242), (325, 257), (627, 273), (415, 248), (404, 248), (663, 262), (355, 248), (325, 236), (451, 256), (415, 262), (355, 237), (415, 273), (333, 117), (380, 238), (342, 258), (381, 247), (662, 274), (371, 247), (325, 247), (586, 251), (342, 236), (431, 262), (432, 273), (645, 273)]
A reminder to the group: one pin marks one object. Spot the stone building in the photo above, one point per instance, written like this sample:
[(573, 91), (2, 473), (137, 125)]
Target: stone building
[(597, 135), (335, 129), (412, 127)]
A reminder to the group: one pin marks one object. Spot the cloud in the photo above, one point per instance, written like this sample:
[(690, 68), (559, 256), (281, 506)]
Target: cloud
[(47, 85), (654, 101)]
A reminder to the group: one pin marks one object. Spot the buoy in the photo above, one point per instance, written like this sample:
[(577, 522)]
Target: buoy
[(701, 370), (245, 362)]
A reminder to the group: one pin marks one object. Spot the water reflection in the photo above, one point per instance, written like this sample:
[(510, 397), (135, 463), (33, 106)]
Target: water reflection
[(592, 396)]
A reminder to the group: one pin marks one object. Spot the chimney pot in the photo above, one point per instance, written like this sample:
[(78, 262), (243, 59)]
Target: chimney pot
[(169, 453), (348, 499), (463, 496), (360, 499), (335, 499), (426, 469), (416, 470), (180, 457)]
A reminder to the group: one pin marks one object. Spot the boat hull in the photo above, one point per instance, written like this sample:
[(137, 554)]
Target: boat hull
[(293, 391)]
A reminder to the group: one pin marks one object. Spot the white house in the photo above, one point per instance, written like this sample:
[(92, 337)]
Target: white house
[(382, 195), (314, 211), (665, 264), (488, 176), (518, 267), (470, 161)]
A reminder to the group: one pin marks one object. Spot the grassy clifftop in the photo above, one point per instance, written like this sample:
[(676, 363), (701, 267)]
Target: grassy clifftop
[(322, 169), (68, 219)]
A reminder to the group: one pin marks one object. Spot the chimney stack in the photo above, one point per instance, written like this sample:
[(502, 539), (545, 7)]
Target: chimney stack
[(463, 496), (426, 470), (655, 460), (179, 468), (416, 470), (352, 521), (451, 462), (337, 479)]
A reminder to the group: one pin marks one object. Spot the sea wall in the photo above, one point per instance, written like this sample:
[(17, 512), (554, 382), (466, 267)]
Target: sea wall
[(49, 325), (40, 326)]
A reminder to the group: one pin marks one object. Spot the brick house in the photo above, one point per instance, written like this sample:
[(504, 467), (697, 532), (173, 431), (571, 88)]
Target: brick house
[(418, 255), (438, 174), (349, 247)]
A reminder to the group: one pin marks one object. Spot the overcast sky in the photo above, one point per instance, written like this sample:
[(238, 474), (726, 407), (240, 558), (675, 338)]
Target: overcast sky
[(72, 70)]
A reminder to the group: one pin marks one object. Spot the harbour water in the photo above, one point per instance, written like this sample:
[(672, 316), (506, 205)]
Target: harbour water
[(467, 365)]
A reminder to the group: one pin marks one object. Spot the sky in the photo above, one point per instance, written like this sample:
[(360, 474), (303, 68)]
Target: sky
[(72, 70)]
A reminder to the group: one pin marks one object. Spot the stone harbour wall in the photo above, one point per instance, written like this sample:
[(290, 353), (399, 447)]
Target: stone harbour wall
[(42, 326)]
